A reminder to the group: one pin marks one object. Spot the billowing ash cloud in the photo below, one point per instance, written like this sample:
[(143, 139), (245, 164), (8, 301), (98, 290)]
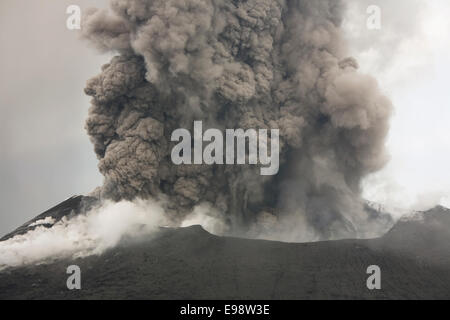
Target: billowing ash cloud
[(260, 64)]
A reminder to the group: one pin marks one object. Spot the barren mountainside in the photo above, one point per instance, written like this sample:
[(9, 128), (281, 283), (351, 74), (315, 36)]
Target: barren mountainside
[(190, 263)]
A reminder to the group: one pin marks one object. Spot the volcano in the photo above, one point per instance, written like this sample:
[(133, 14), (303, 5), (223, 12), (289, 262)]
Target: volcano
[(190, 263)]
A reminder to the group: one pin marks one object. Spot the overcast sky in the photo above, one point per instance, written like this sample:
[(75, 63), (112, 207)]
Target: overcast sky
[(46, 155), (410, 56)]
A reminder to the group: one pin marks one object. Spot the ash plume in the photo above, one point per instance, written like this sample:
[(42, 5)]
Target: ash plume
[(259, 64)]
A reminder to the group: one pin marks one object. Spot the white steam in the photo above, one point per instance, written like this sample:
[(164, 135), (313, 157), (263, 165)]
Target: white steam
[(208, 217), (93, 233), (98, 230)]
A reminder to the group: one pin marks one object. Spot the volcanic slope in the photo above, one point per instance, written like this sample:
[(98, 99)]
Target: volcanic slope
[(190, 263)]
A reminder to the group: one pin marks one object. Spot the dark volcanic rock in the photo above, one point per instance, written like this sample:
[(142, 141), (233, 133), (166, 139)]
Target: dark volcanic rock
[(190, 263), (72, 206)]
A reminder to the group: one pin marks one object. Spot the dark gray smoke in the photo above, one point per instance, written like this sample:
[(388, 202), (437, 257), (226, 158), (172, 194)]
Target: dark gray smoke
[(259, 64)]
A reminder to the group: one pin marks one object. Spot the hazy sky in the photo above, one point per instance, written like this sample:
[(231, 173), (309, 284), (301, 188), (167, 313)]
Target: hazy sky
[(46, 155), (410, 56)]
